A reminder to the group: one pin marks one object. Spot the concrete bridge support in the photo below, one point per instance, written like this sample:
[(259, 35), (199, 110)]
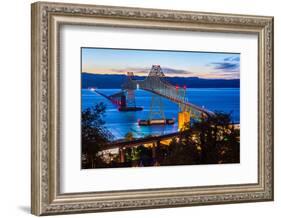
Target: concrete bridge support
[(154, 150), (183, 119), (121, 155), (155, 146)]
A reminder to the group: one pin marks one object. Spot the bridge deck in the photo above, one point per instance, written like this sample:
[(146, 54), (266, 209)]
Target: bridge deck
[(177, 100), (140, 141), (110, 98)]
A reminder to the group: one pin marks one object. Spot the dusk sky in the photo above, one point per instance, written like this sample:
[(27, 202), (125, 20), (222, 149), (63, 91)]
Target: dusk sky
[(173, 63)]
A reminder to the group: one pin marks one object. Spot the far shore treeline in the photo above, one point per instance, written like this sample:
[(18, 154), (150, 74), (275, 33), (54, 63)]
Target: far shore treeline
[(109, 81)]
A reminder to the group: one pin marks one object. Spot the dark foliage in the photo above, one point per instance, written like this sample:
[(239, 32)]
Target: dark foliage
[(94, 135), (212, 140)]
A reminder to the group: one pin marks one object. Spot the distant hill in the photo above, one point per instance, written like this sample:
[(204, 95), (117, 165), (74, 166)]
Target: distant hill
[(104, 81)]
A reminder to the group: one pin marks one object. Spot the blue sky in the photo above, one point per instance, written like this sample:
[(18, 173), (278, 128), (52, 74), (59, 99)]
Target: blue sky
[(173, 63)]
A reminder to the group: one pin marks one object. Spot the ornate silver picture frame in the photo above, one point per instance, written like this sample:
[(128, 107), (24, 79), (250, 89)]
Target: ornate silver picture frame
[(47, 20)]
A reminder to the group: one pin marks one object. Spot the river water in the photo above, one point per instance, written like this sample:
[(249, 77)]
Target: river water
[(119, 123)]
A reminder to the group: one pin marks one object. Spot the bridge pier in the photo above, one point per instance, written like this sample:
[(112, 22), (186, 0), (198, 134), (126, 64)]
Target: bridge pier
[(121, 155), (183, 118), (154, 150)]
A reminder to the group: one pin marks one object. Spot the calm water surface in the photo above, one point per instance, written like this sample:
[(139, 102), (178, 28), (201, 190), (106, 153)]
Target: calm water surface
[(119, 123)]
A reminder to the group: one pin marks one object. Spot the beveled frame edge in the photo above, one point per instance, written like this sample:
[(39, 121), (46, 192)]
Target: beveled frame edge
[(45, 197)]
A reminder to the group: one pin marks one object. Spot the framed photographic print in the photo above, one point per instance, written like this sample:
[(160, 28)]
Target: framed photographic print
[(138, 108)]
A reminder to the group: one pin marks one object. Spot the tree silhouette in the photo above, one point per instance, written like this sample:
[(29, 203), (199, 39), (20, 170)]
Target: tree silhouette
[(211, 140), (94, 135)]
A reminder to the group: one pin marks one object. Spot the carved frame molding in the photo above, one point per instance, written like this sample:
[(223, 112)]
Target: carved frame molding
[(46, 20)]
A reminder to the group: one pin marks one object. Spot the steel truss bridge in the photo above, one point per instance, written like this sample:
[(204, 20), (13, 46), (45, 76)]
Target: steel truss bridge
[(156, 83)]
